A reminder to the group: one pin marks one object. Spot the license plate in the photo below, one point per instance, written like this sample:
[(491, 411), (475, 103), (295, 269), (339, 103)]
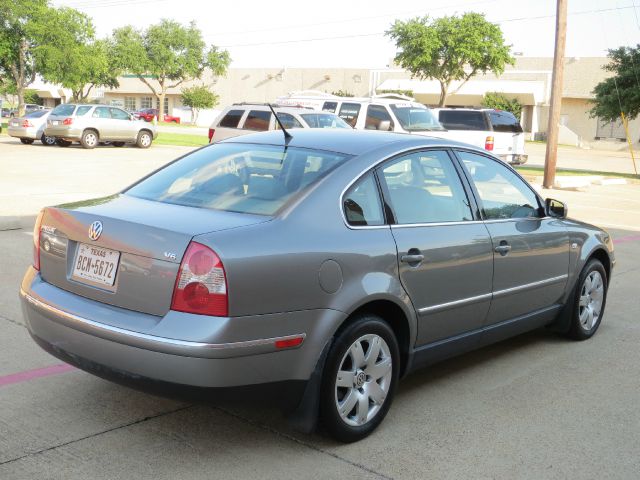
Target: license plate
[(95, 265), (14, 123), (55, 122)]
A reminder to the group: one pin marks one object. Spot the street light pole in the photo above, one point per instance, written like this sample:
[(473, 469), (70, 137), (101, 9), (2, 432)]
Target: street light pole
[(556, 95)]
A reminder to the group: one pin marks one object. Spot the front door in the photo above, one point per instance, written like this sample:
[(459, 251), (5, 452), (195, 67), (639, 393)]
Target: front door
[(445, 257), (531, 251)]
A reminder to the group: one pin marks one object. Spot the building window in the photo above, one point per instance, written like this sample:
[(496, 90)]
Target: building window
[(130, 103), (166, 105), (146, 102), (608, 129)]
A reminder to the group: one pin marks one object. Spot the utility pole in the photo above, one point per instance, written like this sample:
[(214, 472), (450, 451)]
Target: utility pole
[(556, 95)]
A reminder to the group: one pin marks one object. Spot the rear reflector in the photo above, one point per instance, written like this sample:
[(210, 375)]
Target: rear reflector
[(201, 286), (289, 342), (211, 132), (488, 144), (36, 240)]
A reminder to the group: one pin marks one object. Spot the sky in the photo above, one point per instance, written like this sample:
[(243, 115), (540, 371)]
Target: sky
[(350, 33)]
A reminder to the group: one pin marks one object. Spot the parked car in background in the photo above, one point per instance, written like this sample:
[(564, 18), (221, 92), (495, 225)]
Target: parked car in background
[(92, 124), (316, 270), (31, 127), (497, 130), (5, 112), (245, 118), (147, 115)]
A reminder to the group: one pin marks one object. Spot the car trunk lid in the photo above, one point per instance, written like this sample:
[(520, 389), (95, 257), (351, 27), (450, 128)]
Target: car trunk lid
[(139, 242)]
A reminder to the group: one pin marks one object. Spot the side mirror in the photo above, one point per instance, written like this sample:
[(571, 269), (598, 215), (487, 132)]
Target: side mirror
[(555, 208), (384, 125)]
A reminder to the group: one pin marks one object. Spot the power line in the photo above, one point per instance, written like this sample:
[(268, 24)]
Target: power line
[(372, 34)]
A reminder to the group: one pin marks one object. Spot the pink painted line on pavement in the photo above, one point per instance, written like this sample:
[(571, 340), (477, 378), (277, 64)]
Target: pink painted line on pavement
[(627, 239), (36, 373)]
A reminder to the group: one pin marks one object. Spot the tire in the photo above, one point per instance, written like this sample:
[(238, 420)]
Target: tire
[(89, 139), (349, 353), (144, 139), (62, 143), (27, 141), (588, 302), (47, 141), (118, 144)]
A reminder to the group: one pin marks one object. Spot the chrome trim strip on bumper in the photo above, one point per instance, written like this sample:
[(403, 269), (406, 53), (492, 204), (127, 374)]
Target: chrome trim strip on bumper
[(487, 296), (158, 344)]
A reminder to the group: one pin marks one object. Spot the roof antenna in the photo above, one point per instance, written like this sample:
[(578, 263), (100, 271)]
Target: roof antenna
[(287, 135)]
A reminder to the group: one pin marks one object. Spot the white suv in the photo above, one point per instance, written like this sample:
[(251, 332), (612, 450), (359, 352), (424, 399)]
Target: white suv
[(244, 118), (497, 131)]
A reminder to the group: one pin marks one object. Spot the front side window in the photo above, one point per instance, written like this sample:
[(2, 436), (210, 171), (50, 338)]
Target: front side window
[(236, 177), (424, 187), (378, 118), (288, 120), (349, 113), (362, 206), (257, 120), (502, 193), (119, 114)]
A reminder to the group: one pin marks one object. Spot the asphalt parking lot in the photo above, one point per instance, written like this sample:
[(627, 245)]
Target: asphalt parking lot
[(537, 406)]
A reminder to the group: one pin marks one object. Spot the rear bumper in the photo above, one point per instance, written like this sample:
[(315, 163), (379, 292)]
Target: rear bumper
[(22, 132), (214, 362), (63, 132)]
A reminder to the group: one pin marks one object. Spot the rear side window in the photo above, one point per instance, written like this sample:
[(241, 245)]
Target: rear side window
[(505, 122), (463, 120), (257, 120), (64, 110), (362, 204), (82, 110), (231, 119), (101, 112), (378, 118), (330, 107), (235, 177), (324, 120), (349, 113)]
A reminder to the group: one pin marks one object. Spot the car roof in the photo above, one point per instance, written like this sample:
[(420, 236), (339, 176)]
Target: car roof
[(350, 142)]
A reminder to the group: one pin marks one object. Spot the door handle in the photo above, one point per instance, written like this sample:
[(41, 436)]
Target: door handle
[(413, 256), (503, 248)]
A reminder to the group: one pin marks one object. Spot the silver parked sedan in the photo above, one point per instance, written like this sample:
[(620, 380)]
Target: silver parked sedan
[(31, 127), (92, 124), (317, 269)]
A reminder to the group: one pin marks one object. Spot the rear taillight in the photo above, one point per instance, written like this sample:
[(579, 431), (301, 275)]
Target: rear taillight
[(27, 124), (36, 241), (67, 121), (211, 132), (201, 286), (488, 144)]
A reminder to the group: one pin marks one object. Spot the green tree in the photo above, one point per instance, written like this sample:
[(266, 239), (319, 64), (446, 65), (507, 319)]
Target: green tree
[(450, 49), (621, 91), (501, 102), (198, 97), (165, 55), (32, 35)]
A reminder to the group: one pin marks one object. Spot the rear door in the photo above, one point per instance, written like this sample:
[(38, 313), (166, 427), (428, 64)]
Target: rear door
[(101, 120), (445, 255), (530, 250)]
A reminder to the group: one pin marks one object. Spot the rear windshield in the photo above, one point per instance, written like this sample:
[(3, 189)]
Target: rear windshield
[(63, 110), (414, 118), (463, 120), (324, 120), (36, 114), (504, 122), (234, 177)]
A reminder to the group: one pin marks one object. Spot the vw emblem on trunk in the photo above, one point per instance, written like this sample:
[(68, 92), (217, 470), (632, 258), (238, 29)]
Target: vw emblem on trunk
[(95, 230)]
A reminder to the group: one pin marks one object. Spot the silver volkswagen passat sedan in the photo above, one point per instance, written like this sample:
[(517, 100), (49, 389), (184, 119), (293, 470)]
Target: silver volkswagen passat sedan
[(31, 127), (317, 270)]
